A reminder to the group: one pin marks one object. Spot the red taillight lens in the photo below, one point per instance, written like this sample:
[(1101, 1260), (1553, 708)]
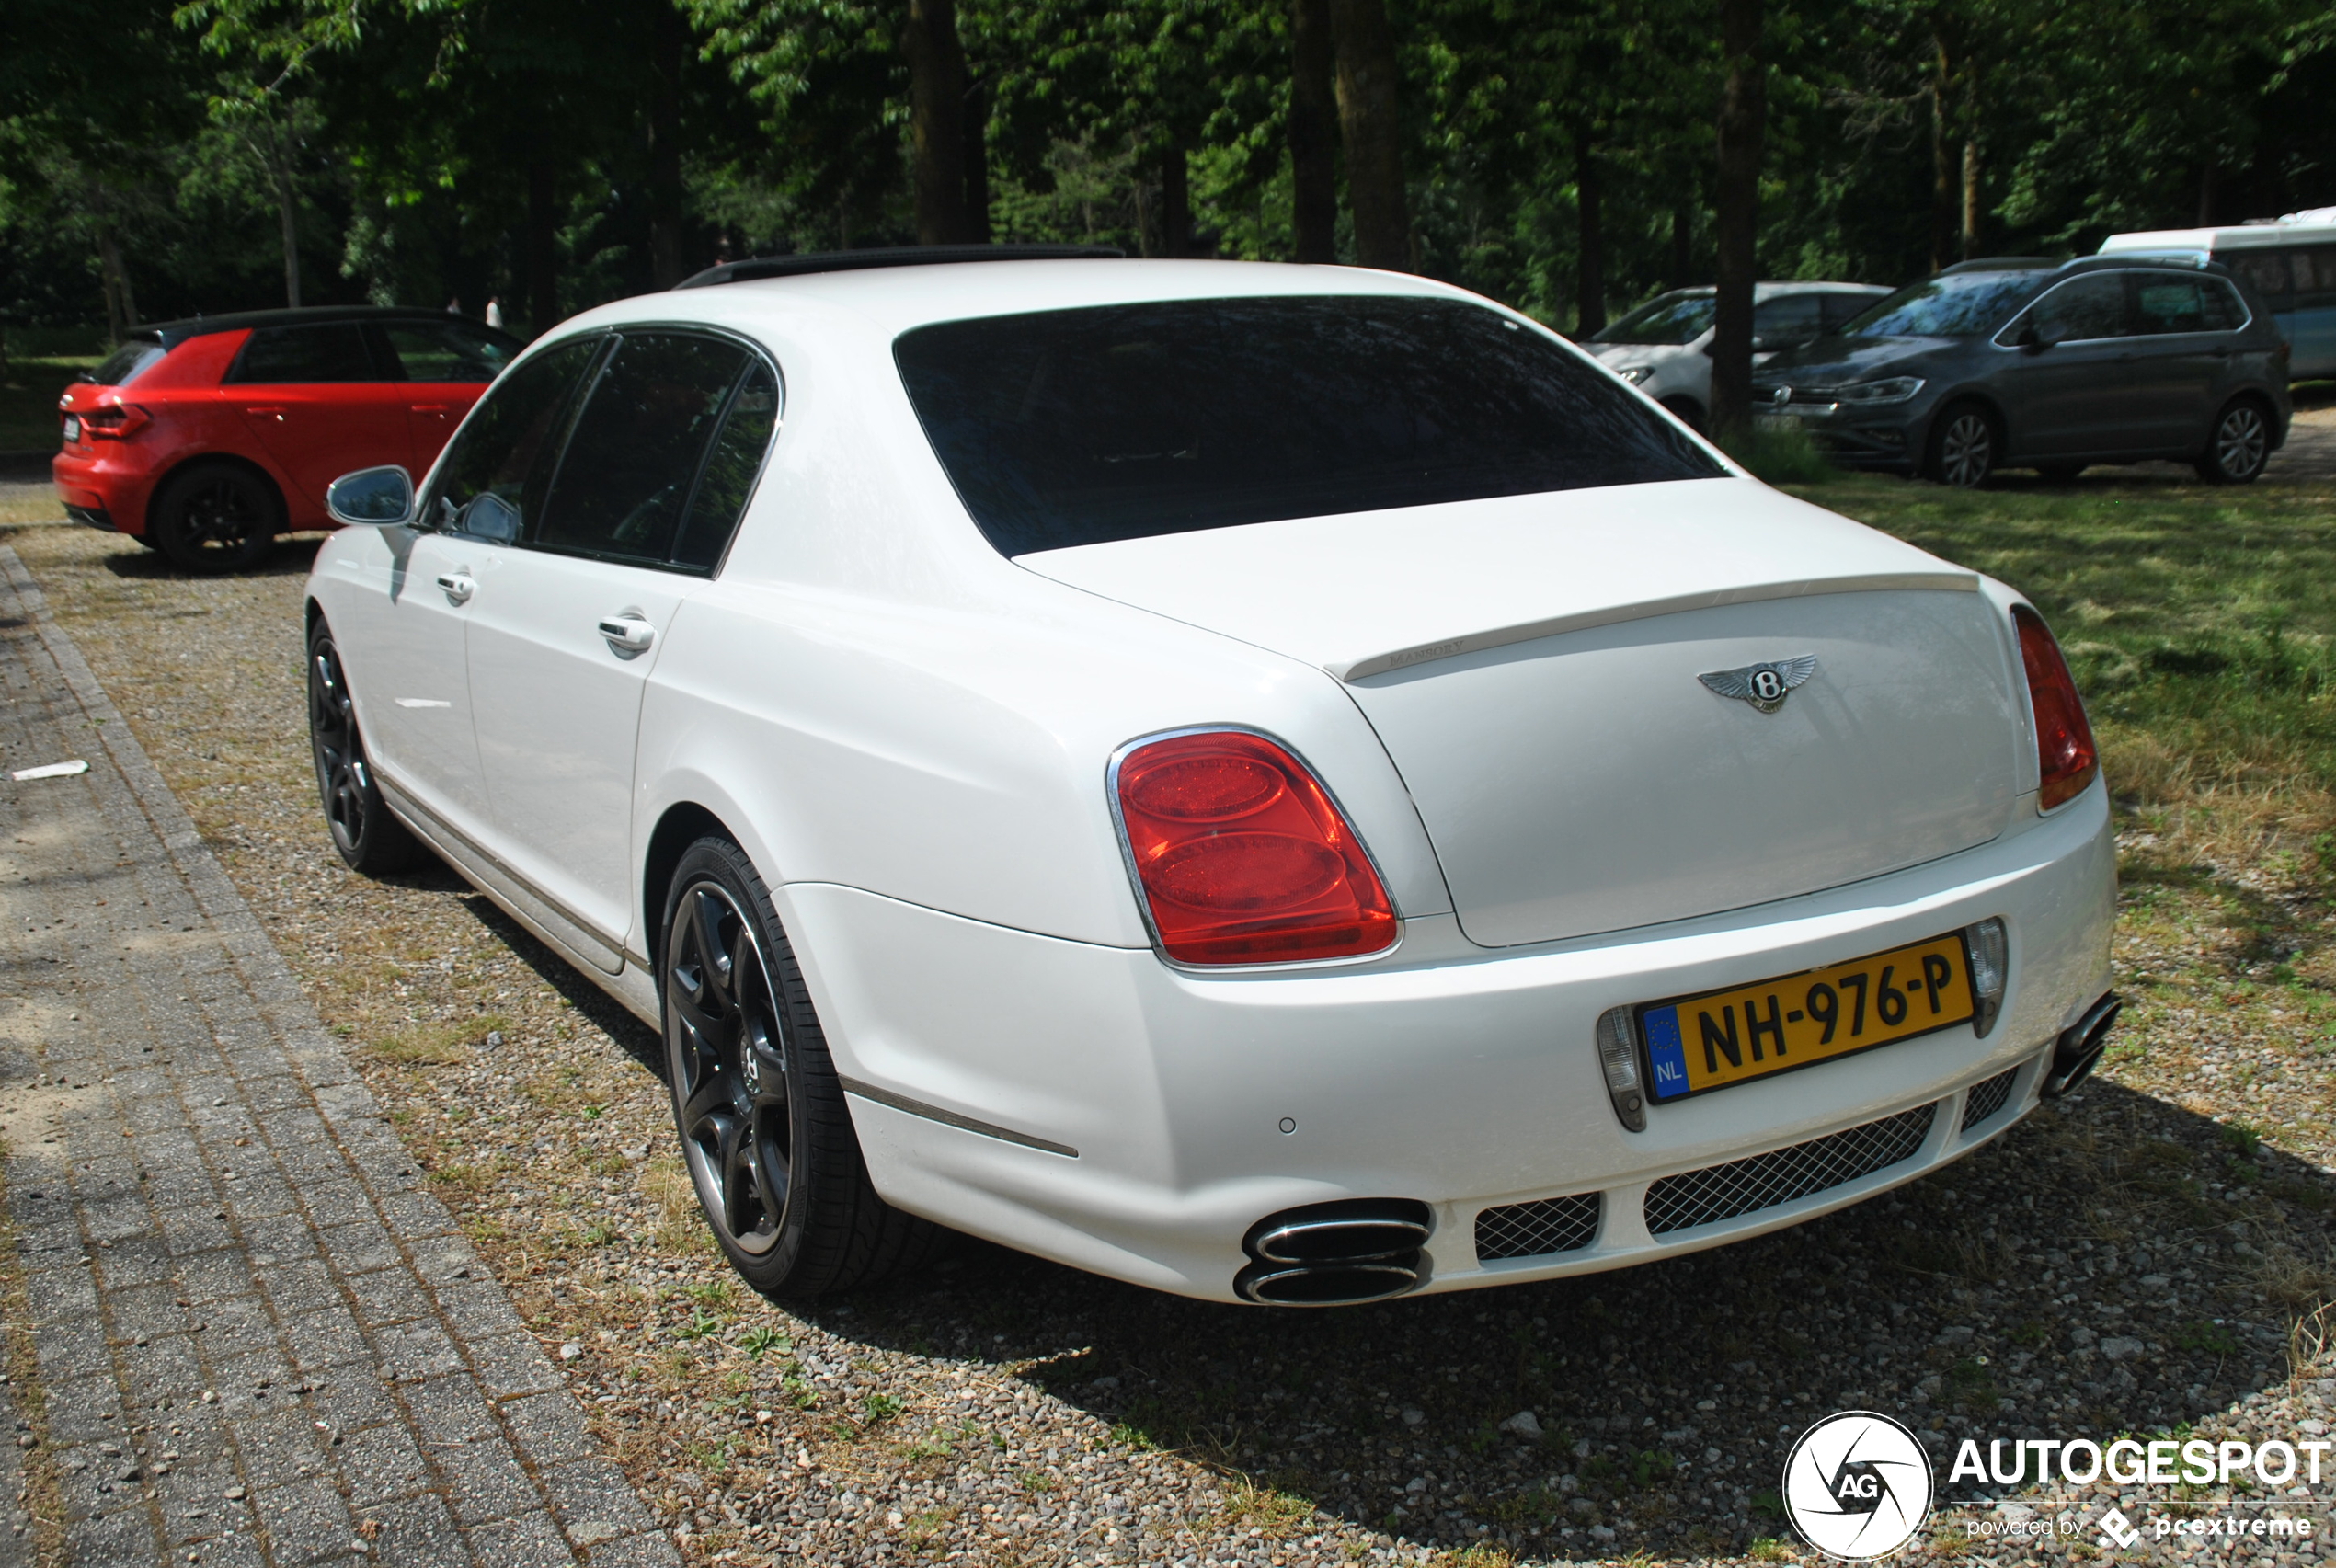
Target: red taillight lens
[(1243, 857), (114, 422), (2065, 753)]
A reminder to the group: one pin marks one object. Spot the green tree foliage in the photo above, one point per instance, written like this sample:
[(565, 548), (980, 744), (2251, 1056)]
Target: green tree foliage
[(217, 153)]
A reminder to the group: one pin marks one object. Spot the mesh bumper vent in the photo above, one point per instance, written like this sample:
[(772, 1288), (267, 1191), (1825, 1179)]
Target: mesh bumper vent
[(1986, 1098), (1746, 1186), (1537, 1230)]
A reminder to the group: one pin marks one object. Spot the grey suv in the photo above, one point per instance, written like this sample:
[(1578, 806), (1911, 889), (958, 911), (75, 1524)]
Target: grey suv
[(2051, 366)]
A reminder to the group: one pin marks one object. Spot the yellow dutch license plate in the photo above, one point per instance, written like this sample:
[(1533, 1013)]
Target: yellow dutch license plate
[(1697, 1044)]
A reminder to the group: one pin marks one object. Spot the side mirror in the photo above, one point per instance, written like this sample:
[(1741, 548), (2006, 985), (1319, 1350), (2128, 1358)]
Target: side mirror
[(2036, 339), (372, 498)]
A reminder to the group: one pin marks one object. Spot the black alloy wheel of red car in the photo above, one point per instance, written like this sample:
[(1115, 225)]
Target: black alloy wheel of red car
[(215, 517)]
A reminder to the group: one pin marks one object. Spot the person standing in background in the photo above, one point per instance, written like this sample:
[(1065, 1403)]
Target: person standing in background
[(495, 311), (454, 306)]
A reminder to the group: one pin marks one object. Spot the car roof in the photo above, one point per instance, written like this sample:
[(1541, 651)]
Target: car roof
[(170, 334)]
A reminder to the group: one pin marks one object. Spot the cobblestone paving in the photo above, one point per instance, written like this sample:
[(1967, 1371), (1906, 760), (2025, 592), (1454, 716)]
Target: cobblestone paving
[(258, 1340)]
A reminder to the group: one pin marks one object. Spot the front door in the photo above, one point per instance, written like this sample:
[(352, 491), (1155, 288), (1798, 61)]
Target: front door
[(319, 404), (2070, 399), (567, 628), (2181, 356)]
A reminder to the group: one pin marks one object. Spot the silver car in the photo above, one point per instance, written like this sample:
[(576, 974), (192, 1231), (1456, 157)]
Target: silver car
[(1663, 346)]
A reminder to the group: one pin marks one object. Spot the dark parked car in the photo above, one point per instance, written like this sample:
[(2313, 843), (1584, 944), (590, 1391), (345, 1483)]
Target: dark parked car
[(2051, 366)]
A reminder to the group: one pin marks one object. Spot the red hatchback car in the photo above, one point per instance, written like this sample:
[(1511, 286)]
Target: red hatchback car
[(206, 439)]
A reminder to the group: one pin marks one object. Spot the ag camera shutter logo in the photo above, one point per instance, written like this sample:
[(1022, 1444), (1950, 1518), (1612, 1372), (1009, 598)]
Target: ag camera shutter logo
[(1857, 1485)]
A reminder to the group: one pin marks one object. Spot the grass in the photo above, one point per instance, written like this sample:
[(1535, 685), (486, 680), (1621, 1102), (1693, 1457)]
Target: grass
[(28, 393)]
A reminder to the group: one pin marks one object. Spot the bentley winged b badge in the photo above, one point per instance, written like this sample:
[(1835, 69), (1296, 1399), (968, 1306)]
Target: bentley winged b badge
[(1765, 686)]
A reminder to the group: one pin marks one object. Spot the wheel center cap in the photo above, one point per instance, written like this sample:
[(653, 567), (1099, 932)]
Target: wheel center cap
[(750, 1071)]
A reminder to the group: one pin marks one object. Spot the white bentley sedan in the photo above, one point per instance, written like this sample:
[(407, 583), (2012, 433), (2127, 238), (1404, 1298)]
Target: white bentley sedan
[(1284, 785)]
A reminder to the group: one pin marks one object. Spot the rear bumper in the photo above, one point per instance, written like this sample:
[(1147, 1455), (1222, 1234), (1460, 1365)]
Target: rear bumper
[(104, 489), (1140, 1120)]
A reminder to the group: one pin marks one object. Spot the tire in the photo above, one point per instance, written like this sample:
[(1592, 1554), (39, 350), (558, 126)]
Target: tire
[(764, 1129), (2239, 445), (1687, 411), (2059, 473), (369, 839), (215, 517), (1963, 446)]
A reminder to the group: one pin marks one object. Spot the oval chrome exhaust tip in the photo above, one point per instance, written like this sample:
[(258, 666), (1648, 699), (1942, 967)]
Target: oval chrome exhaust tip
[(1335, 1254), (2079, 1047)]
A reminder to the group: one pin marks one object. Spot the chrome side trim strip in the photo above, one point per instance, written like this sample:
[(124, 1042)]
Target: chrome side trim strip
[(951, 1118)]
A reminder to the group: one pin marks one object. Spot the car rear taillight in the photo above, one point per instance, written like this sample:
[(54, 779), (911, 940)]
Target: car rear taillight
[(1242, 857), (114, 422), (2067, 759)]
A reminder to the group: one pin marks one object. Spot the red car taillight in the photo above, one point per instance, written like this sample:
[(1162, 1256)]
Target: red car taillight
[(1243, 857), (114, 422), (2067, 759)]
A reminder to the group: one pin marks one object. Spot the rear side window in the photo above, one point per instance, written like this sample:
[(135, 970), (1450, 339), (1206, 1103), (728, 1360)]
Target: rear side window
[(446, 351), (329, 351), (2168, 304), (126, 363), (1068, 428), (637, 446), (492, 477), (730, 471)]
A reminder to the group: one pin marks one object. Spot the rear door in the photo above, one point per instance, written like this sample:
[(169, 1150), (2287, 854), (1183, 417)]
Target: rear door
[(567, 626), (317, 398), (446, 365)]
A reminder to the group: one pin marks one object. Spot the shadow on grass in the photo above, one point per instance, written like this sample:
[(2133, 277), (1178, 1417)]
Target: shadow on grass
[(291, 557), (2114, 1264)]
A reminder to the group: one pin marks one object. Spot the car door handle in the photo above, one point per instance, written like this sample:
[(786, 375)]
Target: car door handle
[(458, 585), (429, 407), (628, 632), (276, 414)]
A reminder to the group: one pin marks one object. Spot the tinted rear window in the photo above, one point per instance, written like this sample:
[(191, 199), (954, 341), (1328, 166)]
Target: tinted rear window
[(330, 351), (124, 364), (1081, 426)]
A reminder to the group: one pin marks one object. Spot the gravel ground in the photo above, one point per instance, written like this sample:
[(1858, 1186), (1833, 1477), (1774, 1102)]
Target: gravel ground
[(2135, 1260)]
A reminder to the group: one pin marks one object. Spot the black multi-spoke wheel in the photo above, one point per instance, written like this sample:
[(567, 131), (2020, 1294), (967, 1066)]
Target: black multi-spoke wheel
[(764, 1129), (368, 836), (215, 517), (2240, 446), (1964, 447)]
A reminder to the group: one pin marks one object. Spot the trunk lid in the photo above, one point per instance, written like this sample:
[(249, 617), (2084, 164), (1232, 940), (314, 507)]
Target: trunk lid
[(1533, 665)]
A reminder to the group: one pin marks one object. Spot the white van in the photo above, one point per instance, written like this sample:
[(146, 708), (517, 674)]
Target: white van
[(2291, 261)]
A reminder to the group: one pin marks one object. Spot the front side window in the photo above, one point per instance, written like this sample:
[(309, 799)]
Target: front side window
[(1953, 305), (630, 465), (1667, 320), (492, 478), (2316, 278), (2082, 308), (2167, 303), (1080, 427), (1795, 318), (282, 356), (447, 351)]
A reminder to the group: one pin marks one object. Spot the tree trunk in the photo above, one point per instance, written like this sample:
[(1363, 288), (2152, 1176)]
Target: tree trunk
[(1589, 308), (120, 317), (1743, 125), (1944, 196), (672, 45), (1373, 134), (2206, 192), (288, 215), (1682, 248), (936, 120), (978, 164), (543, 252), (1175, 202), (1970, 197), (1313, 132)]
